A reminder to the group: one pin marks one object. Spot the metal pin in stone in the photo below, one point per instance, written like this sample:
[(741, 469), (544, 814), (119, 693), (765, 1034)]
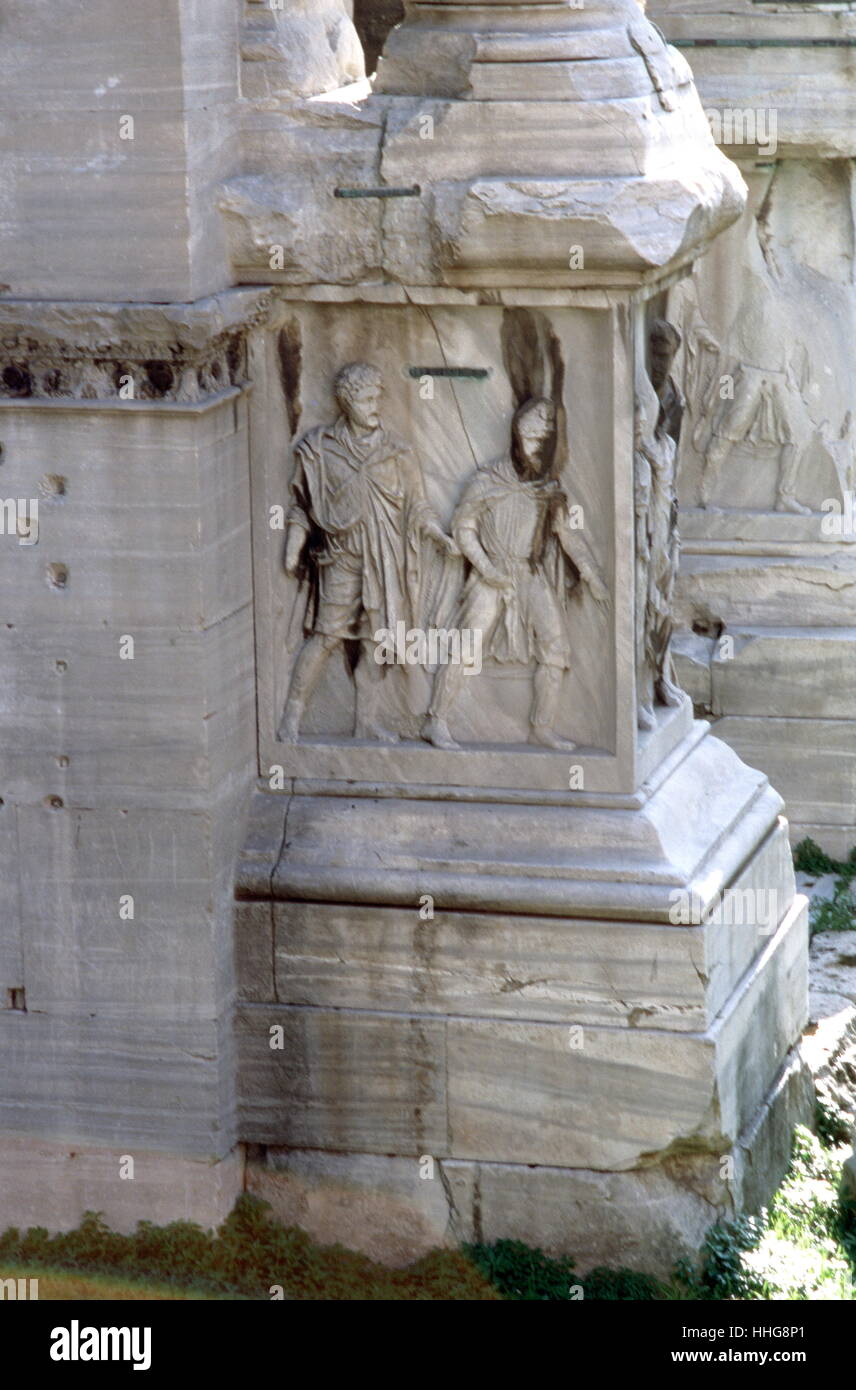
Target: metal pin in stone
[(467, 373), (413, 191)]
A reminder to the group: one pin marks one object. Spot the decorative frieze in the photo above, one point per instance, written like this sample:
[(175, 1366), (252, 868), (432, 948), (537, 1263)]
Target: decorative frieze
[(180, 353)]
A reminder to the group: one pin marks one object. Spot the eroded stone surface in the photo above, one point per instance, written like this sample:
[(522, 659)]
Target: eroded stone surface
[(311, 46), (615, 135), (767, 463)]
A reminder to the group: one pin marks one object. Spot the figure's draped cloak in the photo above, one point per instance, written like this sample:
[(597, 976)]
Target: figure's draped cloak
[(508, 515), (656, 463), (363, 497)]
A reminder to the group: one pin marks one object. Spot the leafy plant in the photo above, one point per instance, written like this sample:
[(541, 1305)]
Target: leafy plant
[(809, 858), (622, 1284), (803, 1247), (724, 1272), (837, 913), (831, 1124), (522, 1273)]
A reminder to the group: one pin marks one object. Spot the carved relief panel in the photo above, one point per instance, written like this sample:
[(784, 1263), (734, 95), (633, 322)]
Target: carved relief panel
[(767, 321), (443, 542)]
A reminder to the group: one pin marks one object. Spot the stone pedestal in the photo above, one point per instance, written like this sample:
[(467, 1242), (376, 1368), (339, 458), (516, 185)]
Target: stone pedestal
[(118, 126), (767, 589), (127, 753), (128, 739), (583, 1072), (496, 988)]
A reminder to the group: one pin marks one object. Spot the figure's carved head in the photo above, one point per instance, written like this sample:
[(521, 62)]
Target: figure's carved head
[(357, 389), (533, 437), (663, 342)]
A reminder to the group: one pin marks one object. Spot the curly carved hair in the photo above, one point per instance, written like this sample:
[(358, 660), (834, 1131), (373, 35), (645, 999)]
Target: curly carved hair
[(352, 378)]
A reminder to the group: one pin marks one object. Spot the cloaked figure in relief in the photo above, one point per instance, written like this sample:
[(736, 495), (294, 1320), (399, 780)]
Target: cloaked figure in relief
[(354, 535), (659, 412), (764, 407), (512, 525), (663, 343)]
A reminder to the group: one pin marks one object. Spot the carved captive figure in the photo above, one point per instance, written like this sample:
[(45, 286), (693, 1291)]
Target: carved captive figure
[(657, 540), (354, 532), (663, 343), (512, 526)]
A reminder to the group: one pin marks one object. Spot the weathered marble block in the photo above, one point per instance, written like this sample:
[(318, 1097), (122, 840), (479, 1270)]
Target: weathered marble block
[(521, 1092), (560, 969), (127, 718), (766, 367)]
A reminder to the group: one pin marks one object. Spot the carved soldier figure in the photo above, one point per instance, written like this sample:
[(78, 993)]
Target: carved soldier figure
[(513, 527), (841, 452), (760, 412), (354, 532), (657, 540), (765, 407)]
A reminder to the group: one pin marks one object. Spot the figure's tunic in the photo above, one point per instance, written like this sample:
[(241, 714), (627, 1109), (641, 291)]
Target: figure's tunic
[(672, 407), (508, 516), (365, 495), (660, 452), (759, 412)]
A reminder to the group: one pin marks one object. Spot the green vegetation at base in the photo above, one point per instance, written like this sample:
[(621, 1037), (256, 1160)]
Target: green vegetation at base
[(248, 1256), (809, 858), (803, 1247), (832, 1125), (837, 913), (522, 1274), (65, 1286)]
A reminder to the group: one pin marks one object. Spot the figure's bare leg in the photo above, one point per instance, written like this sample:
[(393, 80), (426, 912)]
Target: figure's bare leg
[(785, 499), (413, 694), (645, 717), (447, 685), (367, 677), (479, 615), (644, 691), (666, 689), (311, 660), (545, 703), (714, 459)]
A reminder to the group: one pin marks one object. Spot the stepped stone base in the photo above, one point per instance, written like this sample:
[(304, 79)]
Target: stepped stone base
[(395, 1209), (593, 1074)]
